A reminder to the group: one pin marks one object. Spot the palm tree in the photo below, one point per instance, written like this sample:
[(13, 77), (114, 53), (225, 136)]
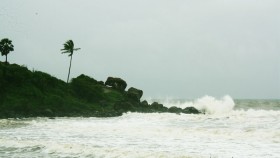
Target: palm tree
[(69, 48), (5, 47)]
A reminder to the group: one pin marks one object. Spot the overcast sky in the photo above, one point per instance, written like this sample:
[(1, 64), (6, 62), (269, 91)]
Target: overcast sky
[(167, 48)]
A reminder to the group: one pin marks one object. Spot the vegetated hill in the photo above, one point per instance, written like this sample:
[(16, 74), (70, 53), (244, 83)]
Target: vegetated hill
[(25, 93)]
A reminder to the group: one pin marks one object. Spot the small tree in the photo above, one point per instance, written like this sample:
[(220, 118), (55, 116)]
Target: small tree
[(6, 47), (69, 48)]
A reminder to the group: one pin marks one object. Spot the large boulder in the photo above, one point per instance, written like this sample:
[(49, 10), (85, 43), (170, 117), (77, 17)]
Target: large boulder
[(175, 109), (144, 103), (134, 94), (158, 107), (190, 110), (116, 83)]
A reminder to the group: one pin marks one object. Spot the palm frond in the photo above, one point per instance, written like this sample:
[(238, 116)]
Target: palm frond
[(75, 49), (69, 47), (65, 52)]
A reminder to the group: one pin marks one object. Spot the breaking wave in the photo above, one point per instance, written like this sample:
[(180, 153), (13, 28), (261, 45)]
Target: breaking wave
[(206, 104)]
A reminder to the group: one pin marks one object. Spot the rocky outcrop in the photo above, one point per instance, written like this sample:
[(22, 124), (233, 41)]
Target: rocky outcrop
[(190, 110), (134, 93), (116, 83), (124, 106), (187, 110), (175, 109), (144, 103), (83, 96), (155, 106)]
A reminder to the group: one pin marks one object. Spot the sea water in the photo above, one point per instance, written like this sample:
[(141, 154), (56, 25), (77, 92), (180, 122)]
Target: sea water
[(229, 128)]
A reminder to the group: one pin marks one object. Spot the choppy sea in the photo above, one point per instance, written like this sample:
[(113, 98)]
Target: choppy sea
[(228, 129)]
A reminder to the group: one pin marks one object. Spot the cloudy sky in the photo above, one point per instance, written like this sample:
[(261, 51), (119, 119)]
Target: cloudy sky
[(167, 48)]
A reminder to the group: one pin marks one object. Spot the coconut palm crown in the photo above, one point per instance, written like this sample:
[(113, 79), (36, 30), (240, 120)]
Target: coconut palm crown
[(6, 47), (69, 48)]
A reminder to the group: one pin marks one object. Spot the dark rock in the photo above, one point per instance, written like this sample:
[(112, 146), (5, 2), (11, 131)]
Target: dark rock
[(175, 109), (144, 103), (158, 107), (123, 106), (190, 110), (116, 83), (86, 79), (134, 94)]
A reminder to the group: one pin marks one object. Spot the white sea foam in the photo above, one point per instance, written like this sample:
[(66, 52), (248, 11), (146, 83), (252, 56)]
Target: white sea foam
[(249, 133), (214, 106), (206, 104)]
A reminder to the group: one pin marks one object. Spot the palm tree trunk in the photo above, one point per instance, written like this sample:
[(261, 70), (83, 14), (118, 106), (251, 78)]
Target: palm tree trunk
[(69, 69), (6, 59)]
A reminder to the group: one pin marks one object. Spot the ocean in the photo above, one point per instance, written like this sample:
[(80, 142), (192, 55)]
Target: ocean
[(228, 129)]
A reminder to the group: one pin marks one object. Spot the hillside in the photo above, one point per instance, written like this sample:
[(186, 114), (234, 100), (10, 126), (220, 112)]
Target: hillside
[(25, 93)]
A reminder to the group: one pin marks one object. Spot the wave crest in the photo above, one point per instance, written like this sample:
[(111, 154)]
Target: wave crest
[(211, 105), (206, 104)]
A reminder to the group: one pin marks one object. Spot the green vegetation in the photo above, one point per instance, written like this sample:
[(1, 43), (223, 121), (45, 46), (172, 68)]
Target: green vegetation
[(69, 48), (25, 93), (6, 47)]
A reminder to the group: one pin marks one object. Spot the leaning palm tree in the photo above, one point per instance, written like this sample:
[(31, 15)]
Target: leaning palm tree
[(69, 48), (6, 47)]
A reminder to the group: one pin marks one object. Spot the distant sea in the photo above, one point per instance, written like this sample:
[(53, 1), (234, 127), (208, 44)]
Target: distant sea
[(229, 128)]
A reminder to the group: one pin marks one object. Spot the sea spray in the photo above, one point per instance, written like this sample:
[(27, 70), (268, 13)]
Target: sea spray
[(210, 105), (206, 104)]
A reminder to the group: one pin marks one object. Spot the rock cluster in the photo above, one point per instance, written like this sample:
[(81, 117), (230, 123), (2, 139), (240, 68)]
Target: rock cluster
[(132, 101), (116, 83)]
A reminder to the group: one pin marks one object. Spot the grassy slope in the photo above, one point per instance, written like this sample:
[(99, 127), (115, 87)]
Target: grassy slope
[(26, 93)]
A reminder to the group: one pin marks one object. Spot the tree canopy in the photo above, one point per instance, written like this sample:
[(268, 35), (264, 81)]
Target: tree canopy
[(6, 47)]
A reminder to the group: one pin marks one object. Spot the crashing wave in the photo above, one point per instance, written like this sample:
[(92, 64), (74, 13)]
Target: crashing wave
[(206, 104)]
